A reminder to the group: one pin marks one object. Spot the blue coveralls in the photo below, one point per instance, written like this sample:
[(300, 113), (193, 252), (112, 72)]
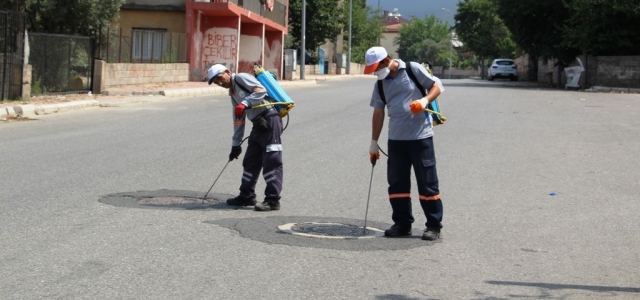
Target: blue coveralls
[(264, 150)]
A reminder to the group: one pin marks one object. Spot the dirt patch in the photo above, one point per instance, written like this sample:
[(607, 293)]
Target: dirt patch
[(15, 119)]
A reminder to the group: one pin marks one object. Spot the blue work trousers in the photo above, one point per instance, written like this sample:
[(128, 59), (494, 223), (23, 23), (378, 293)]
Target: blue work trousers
[(421, 155), (264, 153)]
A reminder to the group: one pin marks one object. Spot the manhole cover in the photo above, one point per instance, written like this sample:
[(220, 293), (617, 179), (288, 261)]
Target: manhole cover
[(319, 232), (175, 201), (168, 199), (330, 230)]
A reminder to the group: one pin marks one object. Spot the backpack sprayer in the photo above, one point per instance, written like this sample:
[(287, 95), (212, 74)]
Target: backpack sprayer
[(276, 95)]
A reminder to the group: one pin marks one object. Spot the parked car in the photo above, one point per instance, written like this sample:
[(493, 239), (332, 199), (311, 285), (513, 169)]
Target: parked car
[(503, 68)]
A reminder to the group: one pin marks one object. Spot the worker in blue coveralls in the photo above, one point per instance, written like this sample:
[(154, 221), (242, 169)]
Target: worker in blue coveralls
[(264, 150), (410, 140)]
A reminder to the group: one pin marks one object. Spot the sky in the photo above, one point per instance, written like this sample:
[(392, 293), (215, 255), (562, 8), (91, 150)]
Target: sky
[(419, 8)]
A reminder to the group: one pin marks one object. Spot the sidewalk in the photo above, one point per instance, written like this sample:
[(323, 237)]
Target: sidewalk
[(131, 94)]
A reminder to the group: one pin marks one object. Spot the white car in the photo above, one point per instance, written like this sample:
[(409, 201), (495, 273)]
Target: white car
[(503, 68)]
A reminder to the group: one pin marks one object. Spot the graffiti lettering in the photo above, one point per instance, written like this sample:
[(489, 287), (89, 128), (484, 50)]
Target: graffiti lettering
[(220, 47)]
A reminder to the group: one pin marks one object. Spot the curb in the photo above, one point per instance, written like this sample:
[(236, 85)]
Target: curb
[(30, 110)]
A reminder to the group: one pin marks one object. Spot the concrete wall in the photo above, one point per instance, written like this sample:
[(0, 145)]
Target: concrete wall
[(108, 75), (172, 21), (386, 41), (215, 41), (273, 52), (607, 71)]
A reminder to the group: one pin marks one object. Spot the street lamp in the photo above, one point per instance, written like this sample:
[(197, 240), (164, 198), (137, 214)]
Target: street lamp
[(450, 44)]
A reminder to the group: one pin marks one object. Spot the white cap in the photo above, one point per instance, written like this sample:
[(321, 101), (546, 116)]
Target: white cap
[(372, 57), (214, 71)]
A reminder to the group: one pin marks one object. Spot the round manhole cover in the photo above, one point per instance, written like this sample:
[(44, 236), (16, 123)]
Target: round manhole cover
[(330, 230), (175, 201), (168, 199)]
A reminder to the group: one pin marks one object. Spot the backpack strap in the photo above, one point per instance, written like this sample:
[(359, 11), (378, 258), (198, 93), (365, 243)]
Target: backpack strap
[(267, 98), (241, 86), (437, 118), (415, 80), (381, 92)]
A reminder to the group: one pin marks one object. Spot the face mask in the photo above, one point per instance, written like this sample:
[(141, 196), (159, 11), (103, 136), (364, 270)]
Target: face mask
[(382, 73)]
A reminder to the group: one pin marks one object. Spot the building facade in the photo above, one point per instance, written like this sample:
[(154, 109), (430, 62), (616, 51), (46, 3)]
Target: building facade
[(235, 33)]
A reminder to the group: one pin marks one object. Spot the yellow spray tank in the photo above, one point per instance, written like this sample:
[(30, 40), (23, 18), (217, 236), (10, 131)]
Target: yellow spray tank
[(279, 98)]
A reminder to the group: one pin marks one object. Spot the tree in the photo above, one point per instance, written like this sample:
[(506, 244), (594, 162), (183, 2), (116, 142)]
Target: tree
[(366, 29), (430, 50), (601, 27), (482, 31), (322, 22), (535, 28), (74, 17), (415, 32)]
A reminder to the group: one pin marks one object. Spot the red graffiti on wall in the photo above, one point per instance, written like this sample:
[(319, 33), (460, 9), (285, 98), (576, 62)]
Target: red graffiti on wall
[(220, 47)]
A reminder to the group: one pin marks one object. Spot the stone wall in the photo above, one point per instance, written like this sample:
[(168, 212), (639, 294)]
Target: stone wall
[(614, 71), (607, 71)]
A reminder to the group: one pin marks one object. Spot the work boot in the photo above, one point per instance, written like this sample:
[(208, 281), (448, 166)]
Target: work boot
[(398, 230), (431, 234), (241, 201), (268, 205)]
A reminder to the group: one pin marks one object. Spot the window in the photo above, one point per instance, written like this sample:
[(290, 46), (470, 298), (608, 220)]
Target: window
[(148, 43)]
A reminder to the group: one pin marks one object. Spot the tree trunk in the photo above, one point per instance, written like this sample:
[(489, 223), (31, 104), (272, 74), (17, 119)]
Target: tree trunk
[(532, 73)]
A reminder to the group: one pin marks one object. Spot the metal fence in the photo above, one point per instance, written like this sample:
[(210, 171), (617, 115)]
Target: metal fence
[(142, 46), (12, 31), (60, 63)]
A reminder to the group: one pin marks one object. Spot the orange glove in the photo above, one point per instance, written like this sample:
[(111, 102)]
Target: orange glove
[(416, 107)]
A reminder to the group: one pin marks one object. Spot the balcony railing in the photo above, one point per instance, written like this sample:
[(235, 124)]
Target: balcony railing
[(277, 15)]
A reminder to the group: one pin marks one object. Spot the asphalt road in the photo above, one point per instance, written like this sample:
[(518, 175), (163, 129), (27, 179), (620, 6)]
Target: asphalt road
[(67, 233)]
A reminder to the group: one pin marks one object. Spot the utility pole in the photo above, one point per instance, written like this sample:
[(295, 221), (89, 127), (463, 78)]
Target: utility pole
[(303, 51), (450, 44), (450, 53), (349, 55)]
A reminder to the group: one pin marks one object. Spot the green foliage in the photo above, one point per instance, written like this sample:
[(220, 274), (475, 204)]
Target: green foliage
[(561, 30), (366, 29), (482, 31), (601, 27), (322, 22), (416, 32), (428, 50), (75, 17), (37, 88), (468, 63), (443, 59)]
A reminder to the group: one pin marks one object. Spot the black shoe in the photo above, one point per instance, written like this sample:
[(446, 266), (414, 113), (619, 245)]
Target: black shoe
[(268, 205), (398, 230), (241, 201), (431, 234)]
